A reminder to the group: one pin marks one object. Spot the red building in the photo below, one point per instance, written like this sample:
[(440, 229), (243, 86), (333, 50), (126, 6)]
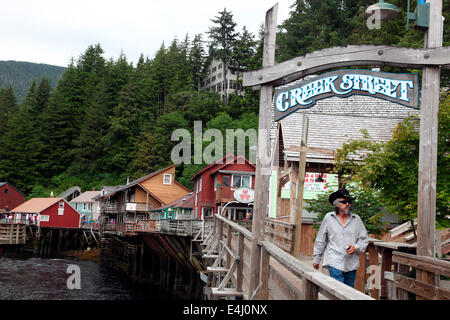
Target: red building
[(47, 212), (214, 187), (10, 197)]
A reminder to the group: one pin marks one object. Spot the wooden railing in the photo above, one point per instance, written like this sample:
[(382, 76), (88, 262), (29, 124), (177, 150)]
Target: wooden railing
[(313, 281), (227, 249), (228, 272), (224, 194), (113, 208), (401, 286), (147, 226), (138, 206), (13, 233), (280, 233), (180, 227)]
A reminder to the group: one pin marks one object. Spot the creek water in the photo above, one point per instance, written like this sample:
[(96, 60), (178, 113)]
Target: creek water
[(47, 279)]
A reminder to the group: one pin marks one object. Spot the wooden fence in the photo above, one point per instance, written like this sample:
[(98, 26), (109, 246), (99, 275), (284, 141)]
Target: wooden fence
[(402, 286)]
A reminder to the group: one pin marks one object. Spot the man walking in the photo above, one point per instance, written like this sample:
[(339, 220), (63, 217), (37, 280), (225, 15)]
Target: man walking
[(341, 237)]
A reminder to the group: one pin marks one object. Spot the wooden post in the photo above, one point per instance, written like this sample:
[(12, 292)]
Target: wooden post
[(426, 201), (265, 269), (294, 179), (263, 159), (310, 290), (229, 235), (300, 188), (240, 263), (373, 260)]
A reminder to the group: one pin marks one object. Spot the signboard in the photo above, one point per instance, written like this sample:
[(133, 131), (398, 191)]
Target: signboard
[(131, 206), (244, 195), (311, 188), (401, 88)]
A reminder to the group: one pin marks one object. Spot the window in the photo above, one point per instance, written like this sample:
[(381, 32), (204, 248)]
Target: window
[(226, 181), (241, 181), (167, 178), (6, 191), (236, 181), (84, 206), (61, 208)]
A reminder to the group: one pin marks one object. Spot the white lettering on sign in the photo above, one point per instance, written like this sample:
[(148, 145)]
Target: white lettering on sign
[(343, 84), (398, 88)]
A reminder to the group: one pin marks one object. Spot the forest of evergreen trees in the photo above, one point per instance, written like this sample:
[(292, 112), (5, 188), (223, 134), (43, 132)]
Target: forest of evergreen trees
[(107, 119)]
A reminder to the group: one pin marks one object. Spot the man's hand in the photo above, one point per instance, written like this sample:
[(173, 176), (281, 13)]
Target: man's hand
[(316, 266), (351, 250)]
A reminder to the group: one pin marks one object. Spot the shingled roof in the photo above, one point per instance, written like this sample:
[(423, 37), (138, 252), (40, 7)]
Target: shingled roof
[(335, 120)]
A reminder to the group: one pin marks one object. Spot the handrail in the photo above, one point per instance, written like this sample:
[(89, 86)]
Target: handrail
[(325, 285), (285, 224), (247, 234)]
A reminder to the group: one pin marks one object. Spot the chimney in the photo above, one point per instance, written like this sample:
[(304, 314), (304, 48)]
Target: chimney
[(128, 180), (51, 194)]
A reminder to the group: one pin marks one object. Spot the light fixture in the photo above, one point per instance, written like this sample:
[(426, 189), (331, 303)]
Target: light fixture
[(385, 11), (319, 178), (421, 15)]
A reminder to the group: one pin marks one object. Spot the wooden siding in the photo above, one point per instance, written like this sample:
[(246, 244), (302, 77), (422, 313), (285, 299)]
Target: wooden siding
[(70, 218), (12, 198), (167, 193)]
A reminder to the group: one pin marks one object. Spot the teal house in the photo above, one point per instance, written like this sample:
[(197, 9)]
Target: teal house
[(84, 204)]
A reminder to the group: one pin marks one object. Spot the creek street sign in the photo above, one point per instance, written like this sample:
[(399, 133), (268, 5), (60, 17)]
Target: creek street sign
[(402, 88)]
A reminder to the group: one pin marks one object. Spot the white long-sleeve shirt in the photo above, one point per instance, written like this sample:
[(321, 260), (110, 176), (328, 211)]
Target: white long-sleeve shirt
[(332, 239)]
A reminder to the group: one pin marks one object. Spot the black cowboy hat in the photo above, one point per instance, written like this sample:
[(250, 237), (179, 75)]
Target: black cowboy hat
[(341, 193)]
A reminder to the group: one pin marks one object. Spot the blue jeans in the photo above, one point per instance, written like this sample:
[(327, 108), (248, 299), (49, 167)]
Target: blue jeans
[(346, 277)]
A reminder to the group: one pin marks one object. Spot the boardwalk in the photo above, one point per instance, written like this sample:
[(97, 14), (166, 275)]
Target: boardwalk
[(282, 277)]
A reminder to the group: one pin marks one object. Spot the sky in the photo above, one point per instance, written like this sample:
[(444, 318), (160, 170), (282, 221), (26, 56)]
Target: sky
[(55, 31)]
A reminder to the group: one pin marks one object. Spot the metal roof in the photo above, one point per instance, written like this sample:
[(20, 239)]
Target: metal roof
[(36, 205)]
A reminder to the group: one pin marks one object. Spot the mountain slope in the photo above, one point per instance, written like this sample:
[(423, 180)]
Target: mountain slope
[(20, 75)]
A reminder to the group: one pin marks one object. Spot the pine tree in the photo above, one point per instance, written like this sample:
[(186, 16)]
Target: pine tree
[(223, 40), (196, 60), (8, 105)]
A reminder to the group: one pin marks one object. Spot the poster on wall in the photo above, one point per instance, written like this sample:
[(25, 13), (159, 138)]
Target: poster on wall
[(310, 191)]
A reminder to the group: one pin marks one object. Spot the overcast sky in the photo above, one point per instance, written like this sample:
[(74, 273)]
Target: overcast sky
[(54, 31)]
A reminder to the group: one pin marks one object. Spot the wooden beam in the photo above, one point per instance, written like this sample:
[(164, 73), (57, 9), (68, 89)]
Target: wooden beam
[(312, 149), (421, 288), (298, 212), (423, 263), (294, 179), (353, 55), (426, 202), (263, 159)]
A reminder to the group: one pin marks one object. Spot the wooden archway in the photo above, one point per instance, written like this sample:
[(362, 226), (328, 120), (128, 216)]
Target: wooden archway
[(430, 59)]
